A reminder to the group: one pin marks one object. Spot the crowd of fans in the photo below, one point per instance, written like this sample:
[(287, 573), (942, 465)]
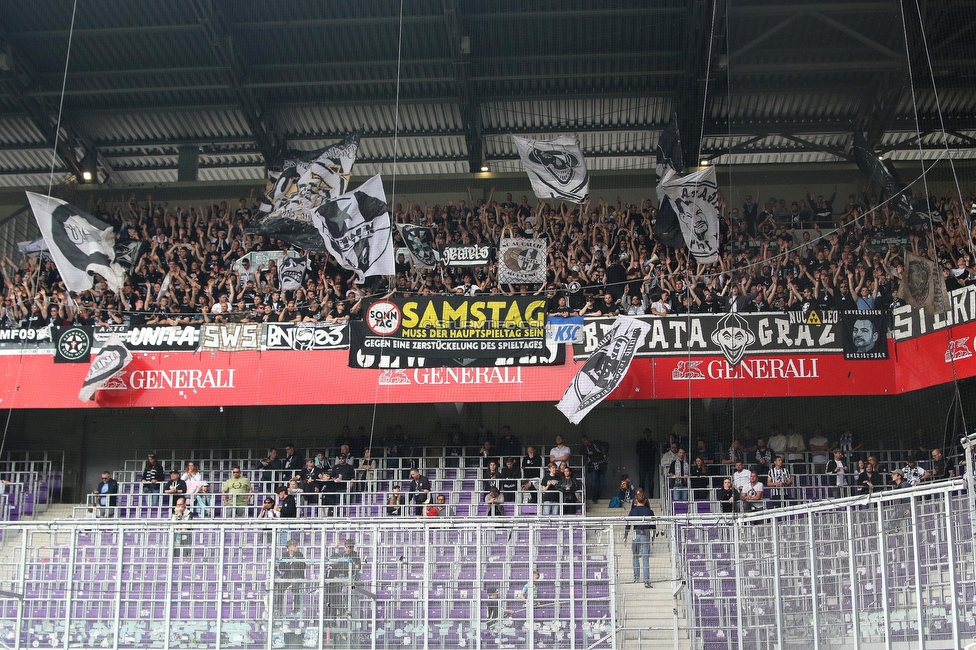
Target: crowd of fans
[(603, 259)]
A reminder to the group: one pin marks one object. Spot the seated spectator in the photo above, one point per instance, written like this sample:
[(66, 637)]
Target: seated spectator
[(941, 468), (912, 473), (868, 480), (627, 490), (286, 505), (494, 500), (203, 500), (181, 539), (394, 503)]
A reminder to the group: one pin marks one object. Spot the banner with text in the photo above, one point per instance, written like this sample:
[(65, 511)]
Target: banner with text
[(453, 326), (553, 354), (306, 336), (470, 255), (230, 337), (731, 335)]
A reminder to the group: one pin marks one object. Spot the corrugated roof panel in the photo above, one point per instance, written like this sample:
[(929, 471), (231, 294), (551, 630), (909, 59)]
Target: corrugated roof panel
[(232, 174), (164, 126), (340, 120), (570, 113), (32, 180), (17, 130), (365, 170), (413, 147), (147, 176), (28, 159)]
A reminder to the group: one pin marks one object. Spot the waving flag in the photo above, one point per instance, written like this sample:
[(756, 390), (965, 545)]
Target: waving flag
[(419, 240), (112, 359), (670, 160), (923, 286), (869, 163), (356, 230), (79, 244), (305, 183), (694, 198), (605, 368), (555, 167)]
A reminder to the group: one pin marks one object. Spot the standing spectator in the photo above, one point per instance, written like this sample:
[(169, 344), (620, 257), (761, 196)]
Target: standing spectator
[(595, 453), (836, 469), (560, 453), (912, 473), (419, 490), (237, 491), (550, 490), (753, 493), (868, 479), (287, 505), (511, 474), (646, 457), (679, 471), (641, 546), (728, 496), (699, 479), (569, 487), (941, 468), (268, 466), (779, 478), (152, 479), (175, 487), (290, 577), (106, 491), (509, 445), (819, 445)]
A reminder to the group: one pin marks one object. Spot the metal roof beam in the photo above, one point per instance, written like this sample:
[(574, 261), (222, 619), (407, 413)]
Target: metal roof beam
[(19, 82), (470, 108), (858, 36), (577, 14), (821, 66), (812, 146), (222, 44), (760, 10)]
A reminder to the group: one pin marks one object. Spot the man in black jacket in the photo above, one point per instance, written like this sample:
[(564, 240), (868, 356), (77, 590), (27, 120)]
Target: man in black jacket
[(419, 490), (107, 489), (290, 576)]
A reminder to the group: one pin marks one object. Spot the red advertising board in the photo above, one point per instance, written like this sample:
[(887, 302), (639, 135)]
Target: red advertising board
[(323, 377)]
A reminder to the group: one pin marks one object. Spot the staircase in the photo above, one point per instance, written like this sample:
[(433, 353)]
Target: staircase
[(645, 617)]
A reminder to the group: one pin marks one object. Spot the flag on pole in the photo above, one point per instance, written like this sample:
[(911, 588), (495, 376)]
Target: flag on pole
[(605, 368), (869, 163), (695, 201), (357, 231), (79, 244), (923, 286), (556, 168), (670, 160), (112, 359), (419, 241), (305, 183)]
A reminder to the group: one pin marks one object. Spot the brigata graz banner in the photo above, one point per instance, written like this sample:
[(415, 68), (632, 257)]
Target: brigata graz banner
[(733, 335), (453, 326)]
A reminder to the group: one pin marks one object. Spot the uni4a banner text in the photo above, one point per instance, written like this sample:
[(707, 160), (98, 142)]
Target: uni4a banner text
[(605, 368), (452, 326)]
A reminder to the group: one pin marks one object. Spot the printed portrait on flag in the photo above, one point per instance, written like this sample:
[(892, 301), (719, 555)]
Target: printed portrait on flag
[(865, 334), (695, 201), (522, 260)]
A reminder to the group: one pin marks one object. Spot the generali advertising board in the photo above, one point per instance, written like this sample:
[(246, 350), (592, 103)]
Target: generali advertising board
[(273, 377)]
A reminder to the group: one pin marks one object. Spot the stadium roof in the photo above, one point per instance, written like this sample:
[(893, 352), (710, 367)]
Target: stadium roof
[(240, 81)]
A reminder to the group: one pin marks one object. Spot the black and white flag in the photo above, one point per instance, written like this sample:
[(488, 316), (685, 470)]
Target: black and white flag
[(419, 241), (556, 168), (127, 254), (291, 272), (869, 163), (522, 260), (695, 201), (112, 359), (923, 286), (79, 244), (670, 159), (605, 368), (305, 183), (357, 231)]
